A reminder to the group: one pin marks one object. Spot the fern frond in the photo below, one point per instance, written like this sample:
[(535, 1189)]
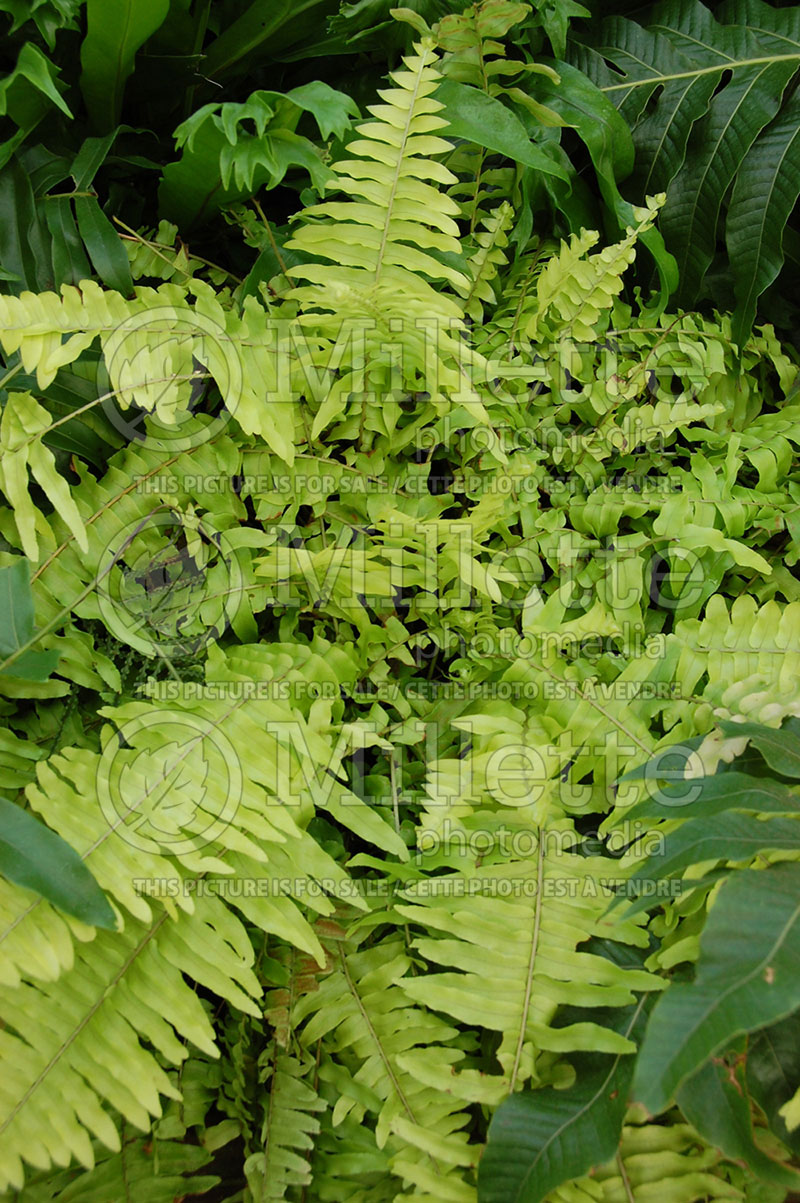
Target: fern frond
[(362, 1015), (533, 914), (576, 290), (77, 1040), (152, 346), (487, 260), (658, 1161), (733, 645), (23, 423), (145, 1167), (289, 1129), (381, 238)]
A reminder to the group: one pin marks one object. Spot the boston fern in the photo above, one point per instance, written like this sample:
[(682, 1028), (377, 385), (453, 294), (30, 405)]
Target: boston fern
[(400, 629)]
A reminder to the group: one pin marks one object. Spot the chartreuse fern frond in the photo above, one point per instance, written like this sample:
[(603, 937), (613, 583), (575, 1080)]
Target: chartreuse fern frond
[(487, 260), (22, 425), (381, 238), (385, 257), (238, 822), (152, 346), (575, 290), (533, 913), (362, 1017)]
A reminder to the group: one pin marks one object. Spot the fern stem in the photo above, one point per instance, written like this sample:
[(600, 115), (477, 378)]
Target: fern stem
[(271, 236), (526, 1002), (626, 1182)]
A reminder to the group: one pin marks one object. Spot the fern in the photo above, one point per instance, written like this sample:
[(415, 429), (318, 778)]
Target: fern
[(361, 1014)]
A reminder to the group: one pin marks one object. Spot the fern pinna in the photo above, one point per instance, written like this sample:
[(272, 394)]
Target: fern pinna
[(361, 810)]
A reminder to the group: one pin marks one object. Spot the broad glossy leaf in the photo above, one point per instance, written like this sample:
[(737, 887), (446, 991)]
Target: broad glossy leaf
[(780, 746), (773, 1072), (253, 31), (539, 1139), (34, 856), (482, 119), (701, 797), (115, 31), (608, 140), (729, 836), (746, 978)]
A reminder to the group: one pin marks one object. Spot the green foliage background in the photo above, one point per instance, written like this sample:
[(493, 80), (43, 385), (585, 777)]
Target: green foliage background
[(399, 608)]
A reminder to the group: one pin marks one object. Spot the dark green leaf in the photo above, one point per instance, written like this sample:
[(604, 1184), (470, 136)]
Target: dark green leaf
[(780, 747), (104, 245), (115, 31), (70, 264), (539, 1139), (16, 625), (33, 856), (746, 978), (773, 1073), (701, 797), (715, 1103), (729, 836), (479, 118)]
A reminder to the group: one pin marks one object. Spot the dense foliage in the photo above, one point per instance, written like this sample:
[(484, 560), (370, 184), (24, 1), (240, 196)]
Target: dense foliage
[(400, 628)]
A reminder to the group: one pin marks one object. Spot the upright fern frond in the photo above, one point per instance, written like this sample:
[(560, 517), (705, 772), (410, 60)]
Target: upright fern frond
[(392, 240), (362, 1015), (487, 260), (382, 237)]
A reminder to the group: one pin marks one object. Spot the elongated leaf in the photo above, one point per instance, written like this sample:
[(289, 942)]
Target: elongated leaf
[(104, 245), (736, 115), (90, 158), (27, 95), (716, 1104), (16, 625), (766, 191), (746, 978), (773, 1072), (780, 747), (24, 241), (256, 26), (705, 796), (115, 31), (479, 118), (539, 1139), (703, 96), (33, 856), (608, 140), (70, 264), (729, 836)]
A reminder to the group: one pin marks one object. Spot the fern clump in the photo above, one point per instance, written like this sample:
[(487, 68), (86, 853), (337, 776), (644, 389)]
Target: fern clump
[(354, 620)]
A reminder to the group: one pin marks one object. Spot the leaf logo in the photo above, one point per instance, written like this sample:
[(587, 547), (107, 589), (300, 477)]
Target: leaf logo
[(162, 364), (167, 783)]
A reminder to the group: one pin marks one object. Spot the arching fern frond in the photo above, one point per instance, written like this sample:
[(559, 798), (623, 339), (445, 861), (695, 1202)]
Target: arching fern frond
[(361, 1014)]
